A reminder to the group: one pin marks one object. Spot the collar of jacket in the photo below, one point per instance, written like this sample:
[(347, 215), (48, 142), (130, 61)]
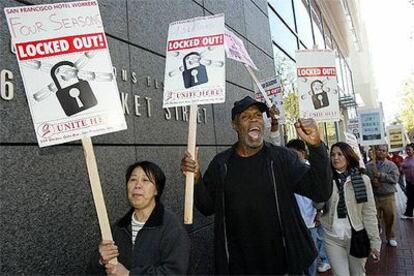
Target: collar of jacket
[(155, 219), (227, 154)]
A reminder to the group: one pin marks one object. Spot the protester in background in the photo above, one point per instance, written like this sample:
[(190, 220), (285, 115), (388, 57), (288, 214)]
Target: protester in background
[(363, 153), (370, 155), (350, 210), (306, 208), (149, 239), (407, 168), (249, 187), (398, 159), (275, 137), (384, 176)]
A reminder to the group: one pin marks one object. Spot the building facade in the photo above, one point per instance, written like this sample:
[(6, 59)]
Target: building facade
[(47, 217), (48, 220), (322, 24)]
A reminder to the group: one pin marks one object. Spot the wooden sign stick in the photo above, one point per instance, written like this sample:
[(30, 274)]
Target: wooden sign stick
[(262, 91), (97, 192), (264, 94), (189, 177)]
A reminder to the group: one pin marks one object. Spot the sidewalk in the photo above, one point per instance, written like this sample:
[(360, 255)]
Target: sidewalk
[(399, 260), (395, 260)]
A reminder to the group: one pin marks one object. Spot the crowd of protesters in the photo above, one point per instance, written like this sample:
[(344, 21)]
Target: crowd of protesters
[(299, 209)]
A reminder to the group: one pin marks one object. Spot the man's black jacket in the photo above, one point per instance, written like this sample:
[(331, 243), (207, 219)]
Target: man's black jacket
[(314, 182)]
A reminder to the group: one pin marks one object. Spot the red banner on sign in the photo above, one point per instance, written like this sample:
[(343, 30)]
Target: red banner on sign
[(60, 46), (316, 72), (195, 42)]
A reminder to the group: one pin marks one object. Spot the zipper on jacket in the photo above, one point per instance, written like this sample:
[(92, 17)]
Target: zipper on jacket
[(226, 246), (278, 207)]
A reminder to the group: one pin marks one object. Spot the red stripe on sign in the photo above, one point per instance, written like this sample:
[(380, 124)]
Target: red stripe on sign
[(316, 72), (60, 46), (273, 91), (195, 42)]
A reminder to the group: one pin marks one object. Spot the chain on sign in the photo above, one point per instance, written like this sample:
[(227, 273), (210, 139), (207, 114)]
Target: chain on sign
[(194, 61), (67, 74)]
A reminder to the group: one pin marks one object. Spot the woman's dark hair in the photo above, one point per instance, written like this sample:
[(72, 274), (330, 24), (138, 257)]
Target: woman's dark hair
[(350, 155), (154, 173), (411, 145)]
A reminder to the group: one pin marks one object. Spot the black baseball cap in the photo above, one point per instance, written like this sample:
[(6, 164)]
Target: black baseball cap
[(245, 103)]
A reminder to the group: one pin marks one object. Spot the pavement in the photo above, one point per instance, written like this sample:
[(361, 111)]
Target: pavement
[(395, 260)]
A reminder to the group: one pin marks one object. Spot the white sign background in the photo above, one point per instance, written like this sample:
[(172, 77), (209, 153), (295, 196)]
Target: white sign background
[(371, 129), (203, 36), (274, 91), (317, 75), (353, 127), (396, 138), (54, 22)]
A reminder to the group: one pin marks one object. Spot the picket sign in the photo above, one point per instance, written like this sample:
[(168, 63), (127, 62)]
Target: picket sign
[(189, 178), (100, 112), (97, 192), (198, 42)]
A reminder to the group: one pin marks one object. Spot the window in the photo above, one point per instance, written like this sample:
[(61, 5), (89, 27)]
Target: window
[(345, 73), (352, 114), (317, 26), (348, 78), (285, 9), (303, 23), (281, 35), (331, 133), (339, 70), (327, 33), (285, 69)]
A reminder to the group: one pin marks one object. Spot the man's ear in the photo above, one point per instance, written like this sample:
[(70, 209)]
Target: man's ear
[(234, 124)]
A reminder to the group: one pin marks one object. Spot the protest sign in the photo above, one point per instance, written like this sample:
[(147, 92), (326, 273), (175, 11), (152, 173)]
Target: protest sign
[(235, 49), (66, 70), (371, 127), (194, 74), (351, 140), (273, 90), (195, 65), (353, 127), (396, 138), (317, 85)]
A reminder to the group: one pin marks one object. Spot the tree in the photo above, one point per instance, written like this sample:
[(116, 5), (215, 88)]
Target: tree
[(286, 70), (407, 110), (291, 104)]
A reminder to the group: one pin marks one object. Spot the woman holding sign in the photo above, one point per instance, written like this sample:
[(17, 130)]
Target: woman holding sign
[(350, 220), (149, 239)]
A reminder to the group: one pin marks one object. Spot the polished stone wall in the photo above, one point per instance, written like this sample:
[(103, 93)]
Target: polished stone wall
[(47, 217)]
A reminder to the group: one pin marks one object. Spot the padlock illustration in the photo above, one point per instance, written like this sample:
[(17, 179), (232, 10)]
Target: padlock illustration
[(196, 75), (76, 97), (318, 95)]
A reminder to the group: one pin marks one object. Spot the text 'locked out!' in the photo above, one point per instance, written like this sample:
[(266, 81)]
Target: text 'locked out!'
[(59, 46)]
